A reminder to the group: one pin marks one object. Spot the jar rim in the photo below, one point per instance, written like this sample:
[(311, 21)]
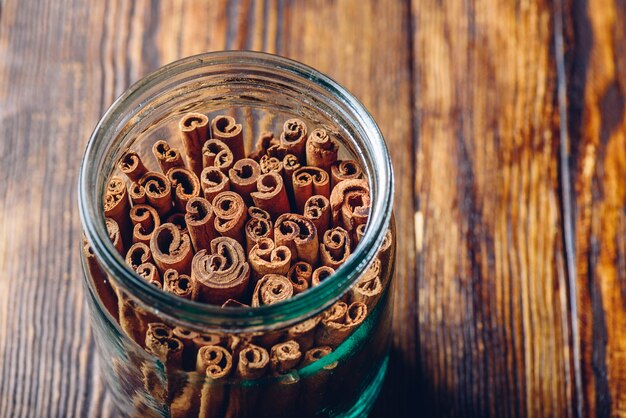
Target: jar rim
[(198, 314)]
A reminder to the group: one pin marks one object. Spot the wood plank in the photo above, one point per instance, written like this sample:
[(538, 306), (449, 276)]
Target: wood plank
[(596, 72), (493, 302), (62, 64)]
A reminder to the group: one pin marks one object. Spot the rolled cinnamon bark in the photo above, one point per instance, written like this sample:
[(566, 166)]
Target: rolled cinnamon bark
[(322, 148), (294, 137), (213, 182), (146, 220), (284, 357), (223, 274), (304, 332), (200, 220), (266, 258), (298, 234), (279, 398), (290, 165), (358, 234), (265, 140), (314, 354), (317, 209), (117, 205), (166, 156), (315, 388), (137, 193), (227, 130), (137, 254), (131, 165), (253, 362), (185, 186), (158, 191), (256, 212), (169, 350), (231, 214), (300, 275), (215, 363), (271, 195), (309, 181), (369, 287), (180, 285), (216, 153), (178, 219), (345, 170), (190, 352), (149, 273), (257, 227), (115, 235), (194, 131), (320, 274), (271, 289), (339, 322), (271, 164), (243, 178), (350, 204), (335, 247), (171, 249)]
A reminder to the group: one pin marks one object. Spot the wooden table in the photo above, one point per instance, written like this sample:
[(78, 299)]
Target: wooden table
[(506, 123)]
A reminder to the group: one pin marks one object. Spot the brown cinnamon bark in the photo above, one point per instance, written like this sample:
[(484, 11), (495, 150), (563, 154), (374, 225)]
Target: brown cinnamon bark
[(369, 287), (322, 148), (115, 235), (271, 195), (185, 186), (280, 397), (169, 350), (314, 354), (146, 220), (320, 274), (265, 258), (345, 170), (335, 247), (271, 164), (253, 362), (137, 254), (258, 226), (304, 332), (215, 363), (223, 274), (298, 234), (266, 140), (166, 156), (149, 273), (194, 131), (178, 219), (315, 388), (231, 214), (137, 193), (101, 282), (290, 165), (230, 132), (190, 352), (117, 205), (243, 178), (339, 322), (309, 181), (131, 165), (200, 220), (216, 153), (317, 209), (213, 182), (180, 285), (350, 204), (171, 249), (294, 137), (158, 191), (271, 289), (300, 275), (358, 234)]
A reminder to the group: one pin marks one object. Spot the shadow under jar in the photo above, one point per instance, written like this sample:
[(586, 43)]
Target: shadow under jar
[(238, 362)]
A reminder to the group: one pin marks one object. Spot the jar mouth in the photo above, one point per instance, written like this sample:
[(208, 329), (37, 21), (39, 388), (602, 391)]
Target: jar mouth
[(107, 139)]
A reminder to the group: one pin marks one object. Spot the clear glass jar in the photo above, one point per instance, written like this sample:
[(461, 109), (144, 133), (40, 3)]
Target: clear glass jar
[(261, 91)]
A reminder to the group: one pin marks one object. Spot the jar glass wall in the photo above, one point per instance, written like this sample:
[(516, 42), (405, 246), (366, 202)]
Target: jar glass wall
[(260, 91)]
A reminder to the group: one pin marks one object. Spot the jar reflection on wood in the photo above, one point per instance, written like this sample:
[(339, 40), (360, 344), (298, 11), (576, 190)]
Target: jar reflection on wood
[(321, 353)]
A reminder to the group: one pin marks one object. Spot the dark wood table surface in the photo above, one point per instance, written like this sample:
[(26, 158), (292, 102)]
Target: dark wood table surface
[(506, 124)]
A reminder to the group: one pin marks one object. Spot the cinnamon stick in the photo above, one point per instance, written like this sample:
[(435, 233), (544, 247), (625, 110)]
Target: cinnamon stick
[(230, 215), (180, 285), (298, 234), (117, 204), (200, 220), (166, 156), (137, 254), (290, 165), (145, 220), (252, 364), (300, 275), (294, 137), (320, 274), (350, 204), (215, 363), (158, 191), (213, 182), (178, 219), (243, 178), (317, 209), (280, 396), (137, 193), (345, 170), (169, 350), (271, 164), (190, 352), (309, 181), (271, 195), (171, 249), (339, 322), (131, 165), (216, 153), (322, 148), (369, 287), (271, 289), (304, 332), (115, 235), (223, 274), (265, 258), (258, 226), (185, 186), (315, 388), (194, 131), (149, 273), (227, 130), (335, 247)]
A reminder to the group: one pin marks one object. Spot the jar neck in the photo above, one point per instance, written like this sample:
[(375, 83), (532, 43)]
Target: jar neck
[(145, 101)]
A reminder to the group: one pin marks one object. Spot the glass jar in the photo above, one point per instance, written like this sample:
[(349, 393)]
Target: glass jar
[(261, 91)]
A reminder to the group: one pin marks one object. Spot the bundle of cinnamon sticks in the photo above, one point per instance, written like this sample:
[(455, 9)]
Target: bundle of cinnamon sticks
[(223, 226)]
